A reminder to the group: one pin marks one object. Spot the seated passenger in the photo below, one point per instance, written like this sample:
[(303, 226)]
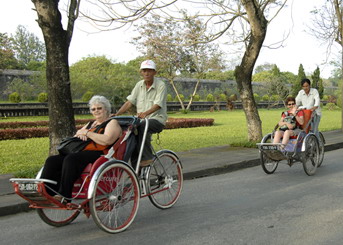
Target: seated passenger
[(66, 169), (290, 123)]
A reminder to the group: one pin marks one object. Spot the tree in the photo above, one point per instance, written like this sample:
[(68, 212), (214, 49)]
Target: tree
[(317, 82), (28, 48), (163, 42), (328, 27), (7, 58), (203, 56), (277, 85), (57, 42), (297, 82), (101, 76)]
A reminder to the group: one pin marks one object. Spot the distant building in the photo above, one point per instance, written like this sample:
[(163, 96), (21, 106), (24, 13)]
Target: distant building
[(6, 76)]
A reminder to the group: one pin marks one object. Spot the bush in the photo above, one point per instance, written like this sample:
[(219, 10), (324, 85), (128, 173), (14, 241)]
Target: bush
[(222, 97), (43, 97), (14, 97), (182, 97), (265, 97), (87, 96), (233, 97), (196, 97), (10, 132), (331, 106), (210, 98), (256, 97), (169, 97)]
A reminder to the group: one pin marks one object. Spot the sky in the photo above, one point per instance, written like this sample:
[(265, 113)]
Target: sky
[(299, 48)]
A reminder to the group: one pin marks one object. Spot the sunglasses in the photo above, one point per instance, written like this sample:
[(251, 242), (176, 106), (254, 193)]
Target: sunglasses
[(291, 104), (96, 108)]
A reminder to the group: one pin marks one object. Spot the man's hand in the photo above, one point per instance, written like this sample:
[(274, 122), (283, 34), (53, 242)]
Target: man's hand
[(141, 115)]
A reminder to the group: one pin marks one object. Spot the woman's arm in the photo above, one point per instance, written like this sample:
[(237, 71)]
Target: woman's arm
[(110, 135)]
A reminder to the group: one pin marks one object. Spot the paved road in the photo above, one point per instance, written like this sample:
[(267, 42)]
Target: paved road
[(242, 207)]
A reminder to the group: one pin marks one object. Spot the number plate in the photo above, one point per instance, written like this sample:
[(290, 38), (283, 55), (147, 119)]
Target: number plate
[(28, 187), (269, 147)]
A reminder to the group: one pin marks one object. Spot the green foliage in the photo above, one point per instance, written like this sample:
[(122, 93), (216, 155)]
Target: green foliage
[(257, 97), (100, 75), (317, 82), (169, 97), (43, 97), (264, 76), (331, 107), (14, 97), (182, 97), (25, 89), (196, 97), (325, 97), (297, 82), (233, 97), (184, 111), (87, 96), (7, 58), (210, 98), (28, 48), (222, 97), (275, 97), (265, 97)]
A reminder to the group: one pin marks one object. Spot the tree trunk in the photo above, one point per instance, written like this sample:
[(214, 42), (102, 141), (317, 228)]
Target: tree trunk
[(342, 88), (194, 93), (243, 72), (171, 81), (57, 40)]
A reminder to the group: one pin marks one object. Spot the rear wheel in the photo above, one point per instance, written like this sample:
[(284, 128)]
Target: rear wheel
[(58, 217), (269, 166), (115, 200), (165, 180), (321, 148), (311, 155)]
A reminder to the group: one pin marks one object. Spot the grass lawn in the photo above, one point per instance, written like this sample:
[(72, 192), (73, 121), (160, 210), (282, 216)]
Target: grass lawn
[(25, 157)]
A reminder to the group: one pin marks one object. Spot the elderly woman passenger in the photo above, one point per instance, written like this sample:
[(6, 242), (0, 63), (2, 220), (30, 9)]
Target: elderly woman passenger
[(66, 169)]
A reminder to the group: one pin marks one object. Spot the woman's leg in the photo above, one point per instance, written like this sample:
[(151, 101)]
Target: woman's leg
[(277, 137), (286, 136), (52, 170), (73, 165)]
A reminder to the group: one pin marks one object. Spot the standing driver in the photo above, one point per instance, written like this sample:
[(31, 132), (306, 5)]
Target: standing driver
[(150, 98)]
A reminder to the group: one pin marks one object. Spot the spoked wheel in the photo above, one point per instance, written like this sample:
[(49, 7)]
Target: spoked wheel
[(165, 180), (321, 149), (269, 166), (58, 217), (311, 155), (115, 199)]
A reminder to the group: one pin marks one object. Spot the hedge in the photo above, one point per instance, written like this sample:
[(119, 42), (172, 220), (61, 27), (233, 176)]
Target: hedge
[(9, 130)]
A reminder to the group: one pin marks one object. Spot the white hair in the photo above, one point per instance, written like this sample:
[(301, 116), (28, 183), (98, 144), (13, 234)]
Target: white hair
[(98, 99)]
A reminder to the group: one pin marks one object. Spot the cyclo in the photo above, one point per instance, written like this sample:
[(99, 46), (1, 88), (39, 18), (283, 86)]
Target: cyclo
[(109, 189), (307, 147)]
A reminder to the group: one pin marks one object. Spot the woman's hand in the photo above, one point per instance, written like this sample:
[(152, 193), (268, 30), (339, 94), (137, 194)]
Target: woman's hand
[(82, 134)]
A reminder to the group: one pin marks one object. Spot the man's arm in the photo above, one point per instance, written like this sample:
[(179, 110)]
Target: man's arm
[(127, 105), (148, 112)]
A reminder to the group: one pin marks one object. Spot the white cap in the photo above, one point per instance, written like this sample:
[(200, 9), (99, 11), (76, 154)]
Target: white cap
[(148, 64)]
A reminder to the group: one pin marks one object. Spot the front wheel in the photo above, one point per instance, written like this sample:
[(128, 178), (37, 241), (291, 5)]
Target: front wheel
[(165, 180), (57, 216), (269, 166), (115, 200), (311, 155)]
